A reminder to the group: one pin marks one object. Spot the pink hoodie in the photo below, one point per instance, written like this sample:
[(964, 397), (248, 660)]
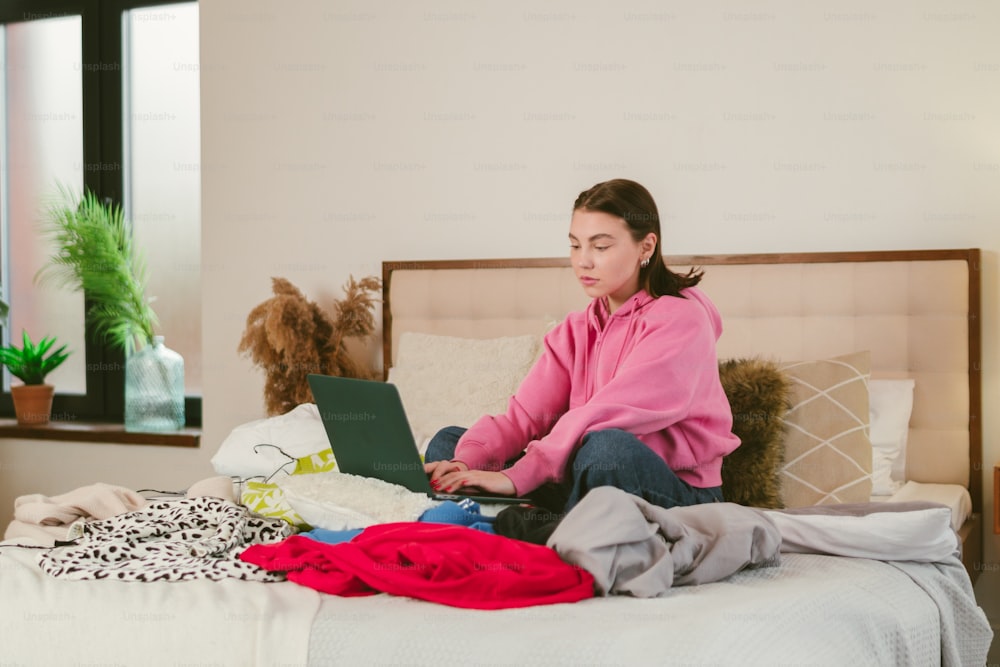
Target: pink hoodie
[(650, 368)]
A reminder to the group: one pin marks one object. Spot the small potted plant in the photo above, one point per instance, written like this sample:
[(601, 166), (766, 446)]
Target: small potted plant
[(31, 363)]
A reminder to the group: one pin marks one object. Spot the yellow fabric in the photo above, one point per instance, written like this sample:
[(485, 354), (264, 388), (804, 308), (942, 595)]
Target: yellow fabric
[(267, 499), (318, 462)]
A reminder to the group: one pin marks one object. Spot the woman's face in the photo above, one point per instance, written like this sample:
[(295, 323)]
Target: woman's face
[(605, 257)]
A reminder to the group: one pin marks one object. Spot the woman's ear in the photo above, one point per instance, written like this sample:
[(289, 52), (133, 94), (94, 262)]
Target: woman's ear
[(649, 243)]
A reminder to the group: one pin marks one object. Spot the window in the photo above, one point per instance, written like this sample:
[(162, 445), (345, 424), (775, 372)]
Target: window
[(102, 95)]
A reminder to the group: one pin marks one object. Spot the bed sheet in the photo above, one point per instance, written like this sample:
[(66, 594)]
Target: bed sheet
[(49, 621)]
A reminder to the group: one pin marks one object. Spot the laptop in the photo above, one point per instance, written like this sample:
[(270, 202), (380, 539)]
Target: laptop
[(370, 435)]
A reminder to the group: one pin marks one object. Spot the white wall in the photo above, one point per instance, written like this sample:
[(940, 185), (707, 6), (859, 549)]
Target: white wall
[(338, 135)]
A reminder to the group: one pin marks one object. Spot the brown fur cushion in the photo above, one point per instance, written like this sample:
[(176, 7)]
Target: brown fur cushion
[(758, 393)]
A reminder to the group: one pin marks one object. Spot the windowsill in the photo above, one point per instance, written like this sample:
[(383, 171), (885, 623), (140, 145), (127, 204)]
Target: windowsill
[(98, 432)]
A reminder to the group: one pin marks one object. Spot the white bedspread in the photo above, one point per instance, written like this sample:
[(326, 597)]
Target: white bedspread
[(47, 621), (810, 609), (816, 610)]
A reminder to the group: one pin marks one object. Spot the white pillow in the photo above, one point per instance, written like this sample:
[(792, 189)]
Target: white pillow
[(890, 403), (448, 381), (299, 432), (341, 501), (921, 535)]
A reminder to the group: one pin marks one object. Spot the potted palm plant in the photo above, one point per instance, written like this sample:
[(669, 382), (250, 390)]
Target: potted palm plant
[(94, 252), (31, 363)]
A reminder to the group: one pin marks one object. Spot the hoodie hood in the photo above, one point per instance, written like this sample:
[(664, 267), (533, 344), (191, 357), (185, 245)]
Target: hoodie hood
[(714, 318), (598, 316)]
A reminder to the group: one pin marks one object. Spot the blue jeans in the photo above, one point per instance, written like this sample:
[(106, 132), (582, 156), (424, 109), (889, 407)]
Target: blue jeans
[(605, 458)]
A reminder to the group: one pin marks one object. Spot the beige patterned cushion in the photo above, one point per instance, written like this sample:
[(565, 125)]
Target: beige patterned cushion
[(828, 453)]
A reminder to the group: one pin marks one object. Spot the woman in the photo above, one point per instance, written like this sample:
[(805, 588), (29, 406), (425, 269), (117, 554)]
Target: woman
[(626, 393)]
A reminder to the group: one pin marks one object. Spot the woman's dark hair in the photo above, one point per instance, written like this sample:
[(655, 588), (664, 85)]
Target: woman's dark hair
[(632, 202)]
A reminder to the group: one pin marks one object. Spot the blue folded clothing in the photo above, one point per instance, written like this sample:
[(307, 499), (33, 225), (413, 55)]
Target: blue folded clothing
[(462, 513), (332, 536)]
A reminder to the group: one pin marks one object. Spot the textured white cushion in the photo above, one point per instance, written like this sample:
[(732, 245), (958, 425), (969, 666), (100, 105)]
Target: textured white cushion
[(449, 381), (890, 404), (340, 501)]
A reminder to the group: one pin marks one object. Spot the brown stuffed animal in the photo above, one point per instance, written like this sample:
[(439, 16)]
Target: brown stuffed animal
[(290, 337)]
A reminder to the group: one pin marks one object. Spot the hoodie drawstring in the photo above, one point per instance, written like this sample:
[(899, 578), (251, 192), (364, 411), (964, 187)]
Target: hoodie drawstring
[(591, 373), (625, 340)]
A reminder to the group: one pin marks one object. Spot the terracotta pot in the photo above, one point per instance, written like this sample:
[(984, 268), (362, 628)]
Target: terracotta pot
[(32, 403)]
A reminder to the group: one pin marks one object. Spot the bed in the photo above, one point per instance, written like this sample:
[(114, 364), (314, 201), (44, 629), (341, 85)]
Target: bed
[(458, 335)]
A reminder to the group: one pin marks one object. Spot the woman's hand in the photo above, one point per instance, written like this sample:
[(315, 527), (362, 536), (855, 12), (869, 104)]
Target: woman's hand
[(437, 469), (484, 481)]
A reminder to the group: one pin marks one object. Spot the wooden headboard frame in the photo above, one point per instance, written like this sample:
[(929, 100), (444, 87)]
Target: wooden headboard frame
[(970, 256)]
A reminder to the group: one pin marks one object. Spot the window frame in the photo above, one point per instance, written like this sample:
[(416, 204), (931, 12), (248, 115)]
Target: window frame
[(103, 159)]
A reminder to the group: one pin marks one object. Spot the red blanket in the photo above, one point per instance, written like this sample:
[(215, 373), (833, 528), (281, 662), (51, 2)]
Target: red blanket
[(448, 564)]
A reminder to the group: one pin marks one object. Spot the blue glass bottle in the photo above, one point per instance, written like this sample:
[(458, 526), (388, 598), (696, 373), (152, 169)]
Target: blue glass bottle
[(154, 389)]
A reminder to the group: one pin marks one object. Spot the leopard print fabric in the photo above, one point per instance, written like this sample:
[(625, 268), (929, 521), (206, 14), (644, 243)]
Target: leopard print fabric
[(169, 540)]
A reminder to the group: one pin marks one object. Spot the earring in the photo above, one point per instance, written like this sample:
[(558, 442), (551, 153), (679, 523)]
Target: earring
[(644, 263)]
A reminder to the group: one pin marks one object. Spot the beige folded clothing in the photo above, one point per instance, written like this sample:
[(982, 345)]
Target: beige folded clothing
[(44, 520), (97, 501)]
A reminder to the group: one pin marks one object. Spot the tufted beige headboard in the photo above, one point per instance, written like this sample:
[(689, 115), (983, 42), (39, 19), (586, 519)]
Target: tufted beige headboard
[(916, 311)]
